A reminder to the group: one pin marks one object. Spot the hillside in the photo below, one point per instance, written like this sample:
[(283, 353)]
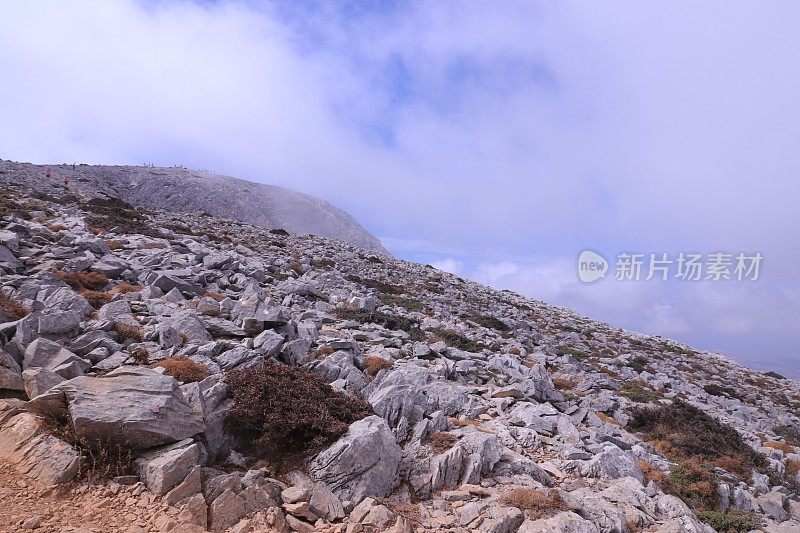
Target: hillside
[(177, 190), (179, 371)]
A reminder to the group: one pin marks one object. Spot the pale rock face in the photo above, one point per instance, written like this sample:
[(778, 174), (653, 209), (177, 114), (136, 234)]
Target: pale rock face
[(132, 405), (363, 462)]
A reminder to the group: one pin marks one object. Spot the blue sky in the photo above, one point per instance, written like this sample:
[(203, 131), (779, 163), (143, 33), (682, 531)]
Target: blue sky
[(493, 139)]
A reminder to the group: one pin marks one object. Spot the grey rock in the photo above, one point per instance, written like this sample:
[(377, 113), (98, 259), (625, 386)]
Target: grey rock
[(134, 406), (363, 462), (162, 469)]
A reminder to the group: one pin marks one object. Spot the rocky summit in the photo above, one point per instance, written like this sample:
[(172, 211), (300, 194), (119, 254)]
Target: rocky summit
[(178, 371), (178, 189)]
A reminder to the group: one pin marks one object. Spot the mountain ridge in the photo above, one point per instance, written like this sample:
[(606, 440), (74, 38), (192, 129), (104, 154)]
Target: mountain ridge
[(178, 189)]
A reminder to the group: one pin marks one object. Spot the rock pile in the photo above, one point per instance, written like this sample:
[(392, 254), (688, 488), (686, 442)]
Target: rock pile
[(486, 404)]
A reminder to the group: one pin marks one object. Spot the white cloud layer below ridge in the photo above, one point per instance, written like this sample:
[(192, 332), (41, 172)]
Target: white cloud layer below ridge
[(495, 140)]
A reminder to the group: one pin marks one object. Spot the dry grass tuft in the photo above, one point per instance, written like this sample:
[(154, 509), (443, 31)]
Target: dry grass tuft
[(535, 503), (441, 441), (13, 308), (778, 445), (83, 280), (127, 332), (374, 364), (100, 459), (215, 296), (125, 288), (96, 299), (183, 369)]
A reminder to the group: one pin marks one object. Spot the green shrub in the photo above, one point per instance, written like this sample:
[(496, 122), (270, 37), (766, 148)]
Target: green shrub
[(683, 432), (456, 340), (392, 322), (732, 521), (639, 392)]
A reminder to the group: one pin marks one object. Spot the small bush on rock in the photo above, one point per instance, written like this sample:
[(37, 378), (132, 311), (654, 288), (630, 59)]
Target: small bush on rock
[(731, 522), (12, 308), (83, 280), (682, 432), (282, 413), (100, 460), (535, 503), (441, 441), (183, 369), (374, 364), (127, 332), (96, 299)]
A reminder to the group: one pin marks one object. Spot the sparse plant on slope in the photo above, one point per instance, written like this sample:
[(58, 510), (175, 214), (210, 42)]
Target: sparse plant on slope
[(183, 369), (534, 503), (12, 308), (283, 413), (457, 340)]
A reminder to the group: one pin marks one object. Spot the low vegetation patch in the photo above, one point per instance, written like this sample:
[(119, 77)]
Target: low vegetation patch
[(534, 503), (457, 340), (638, 391), (384, 319), (441, 441), (731, 521), (183, 369), (402, 301), (488, 321), (127, 332), (566, 350), (374, 364), (100, 459), (13, 308), (83, 280), (96, 299), (283, 413), (109, 213), (683, 432)]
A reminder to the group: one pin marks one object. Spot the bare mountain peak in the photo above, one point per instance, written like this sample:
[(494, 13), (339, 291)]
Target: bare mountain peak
[(178, 189)]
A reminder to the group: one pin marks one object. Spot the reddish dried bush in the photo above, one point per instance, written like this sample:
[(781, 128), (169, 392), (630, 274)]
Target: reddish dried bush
[(683, 432), (535, 503), (83, 280), (183, 369), (125, 288), (95, 298), (128, 332), (12, 308), (141, 355), (441, 441), (215, 296), (283, 412), (374, 364), (778, 445)]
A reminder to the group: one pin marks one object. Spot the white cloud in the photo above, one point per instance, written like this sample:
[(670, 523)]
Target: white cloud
[(482, 133)]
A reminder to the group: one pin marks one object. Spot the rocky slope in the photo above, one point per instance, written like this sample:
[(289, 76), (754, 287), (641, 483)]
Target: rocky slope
[(176, 189), (492, 412)]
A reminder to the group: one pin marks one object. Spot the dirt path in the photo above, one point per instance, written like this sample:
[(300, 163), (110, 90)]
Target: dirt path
[(78, 508)]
